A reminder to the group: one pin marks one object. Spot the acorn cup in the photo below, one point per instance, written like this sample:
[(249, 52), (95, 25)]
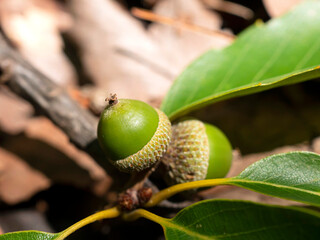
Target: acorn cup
[(197, 151), (133, 134)]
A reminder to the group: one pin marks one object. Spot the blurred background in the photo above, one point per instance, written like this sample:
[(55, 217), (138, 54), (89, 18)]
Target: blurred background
[(135, 49)]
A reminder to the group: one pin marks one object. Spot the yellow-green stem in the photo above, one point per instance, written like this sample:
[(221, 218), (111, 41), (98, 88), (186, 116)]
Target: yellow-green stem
[(109, 213), (156, 198), (142, 213), (170, 191)]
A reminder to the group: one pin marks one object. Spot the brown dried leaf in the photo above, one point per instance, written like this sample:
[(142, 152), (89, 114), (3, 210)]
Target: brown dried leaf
[(18, 181), (45, 148), (230, 7), (277, 8), (109, 39), (124, 58), (44, 130), (181, 46), (316, 145), (34, 27), (14, 112)]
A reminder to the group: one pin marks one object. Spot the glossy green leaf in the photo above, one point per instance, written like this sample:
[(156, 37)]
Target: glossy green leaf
[(283, 51), (294, 176), (240, 220), (29, 235)]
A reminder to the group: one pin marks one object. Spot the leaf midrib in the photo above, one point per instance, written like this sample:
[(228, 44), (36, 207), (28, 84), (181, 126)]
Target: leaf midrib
[(262, 83)]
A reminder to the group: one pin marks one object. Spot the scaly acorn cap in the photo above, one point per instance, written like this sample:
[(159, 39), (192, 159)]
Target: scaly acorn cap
[(133, 134), (151, 152), (187, 156)]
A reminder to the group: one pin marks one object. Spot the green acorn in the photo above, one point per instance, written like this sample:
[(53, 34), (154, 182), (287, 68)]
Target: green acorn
[(197, 151), (133, 134)]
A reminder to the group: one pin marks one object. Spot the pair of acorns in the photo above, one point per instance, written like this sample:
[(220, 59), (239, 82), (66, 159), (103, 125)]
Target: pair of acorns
[(135, 136)]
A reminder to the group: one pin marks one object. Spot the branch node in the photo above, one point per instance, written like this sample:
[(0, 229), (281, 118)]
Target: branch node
[(112, 100)]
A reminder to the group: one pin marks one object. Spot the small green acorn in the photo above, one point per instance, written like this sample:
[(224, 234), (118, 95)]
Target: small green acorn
[(133, 134), (197, 151)]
